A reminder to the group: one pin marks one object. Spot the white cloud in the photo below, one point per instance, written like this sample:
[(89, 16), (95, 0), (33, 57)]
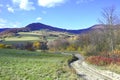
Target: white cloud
[(10, 9), (83, 1), (24, 4), (3, 23), (50, 3), (15, 24), (38, 19), (7, 24), (2, 20)]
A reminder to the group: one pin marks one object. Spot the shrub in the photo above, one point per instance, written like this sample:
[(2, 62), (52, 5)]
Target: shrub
[(8, 46), (113, 54), (44, 46), (79, 49), (20, 46), (59, 44), (101, 61), (2, 45), (89, 50), (71, 48), (29, 46), (36, 45), (116, 53)]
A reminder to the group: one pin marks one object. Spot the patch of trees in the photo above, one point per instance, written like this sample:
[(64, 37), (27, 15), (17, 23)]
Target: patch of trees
[(99, 40), (31, 46), (58, 45)]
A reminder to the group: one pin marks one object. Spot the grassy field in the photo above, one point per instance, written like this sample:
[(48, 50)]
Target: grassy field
[(24, 37), (33, 36), (25, 65)]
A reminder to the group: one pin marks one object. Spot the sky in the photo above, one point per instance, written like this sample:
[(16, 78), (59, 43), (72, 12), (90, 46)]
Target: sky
[(67, 14)]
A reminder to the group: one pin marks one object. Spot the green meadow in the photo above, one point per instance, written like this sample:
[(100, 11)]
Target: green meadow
[(26, 65), (24, 37)]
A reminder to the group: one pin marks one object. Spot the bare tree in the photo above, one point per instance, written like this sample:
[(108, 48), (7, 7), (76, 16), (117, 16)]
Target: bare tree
[(109, 19)]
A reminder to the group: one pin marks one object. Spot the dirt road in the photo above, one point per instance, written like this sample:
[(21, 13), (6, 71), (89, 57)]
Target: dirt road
[(90, 73)]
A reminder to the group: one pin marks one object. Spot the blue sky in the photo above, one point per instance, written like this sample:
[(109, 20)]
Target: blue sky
[(68, 14)]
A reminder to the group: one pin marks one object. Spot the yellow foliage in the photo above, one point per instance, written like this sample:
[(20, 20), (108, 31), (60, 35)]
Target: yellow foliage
[(2, 45), (79, 49), (36, 45), (116, 52), (71, 48)]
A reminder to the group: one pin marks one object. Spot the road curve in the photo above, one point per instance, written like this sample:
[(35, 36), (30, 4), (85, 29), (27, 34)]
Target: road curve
[(87, 72)]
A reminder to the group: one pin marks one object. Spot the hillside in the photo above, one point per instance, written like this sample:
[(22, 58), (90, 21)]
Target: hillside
[(3, 29), (40, 26)]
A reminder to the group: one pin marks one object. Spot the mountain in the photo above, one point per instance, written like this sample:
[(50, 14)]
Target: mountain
[(13, 31), (97, 26), (40, 26), (3, 29)]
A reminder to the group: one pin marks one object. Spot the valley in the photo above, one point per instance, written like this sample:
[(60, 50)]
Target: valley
[(45, 54), (59, 40)]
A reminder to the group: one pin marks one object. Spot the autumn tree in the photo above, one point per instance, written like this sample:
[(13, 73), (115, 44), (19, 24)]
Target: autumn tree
[(36, 45)]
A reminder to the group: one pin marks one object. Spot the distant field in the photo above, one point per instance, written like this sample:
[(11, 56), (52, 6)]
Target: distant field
[(14, 42), (33, 36), (25, 65), (23, 38)]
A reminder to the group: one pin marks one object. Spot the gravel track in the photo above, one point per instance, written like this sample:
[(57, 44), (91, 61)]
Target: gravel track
[(89, 73)]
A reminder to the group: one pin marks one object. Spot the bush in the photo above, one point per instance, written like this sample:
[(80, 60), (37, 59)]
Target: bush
[(36, 45), (101, 61), (29, 46), (71, 48), (112, 54), (115, 53), (8, 46), (20, 46), (44, 46), (59, 44), (2, 45), (89, 50)]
